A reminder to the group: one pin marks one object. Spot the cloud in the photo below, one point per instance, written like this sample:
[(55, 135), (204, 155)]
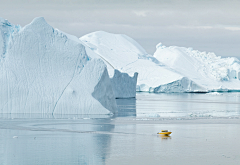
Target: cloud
[(232, 28), (205, 25), (141, 13), (195, 27)]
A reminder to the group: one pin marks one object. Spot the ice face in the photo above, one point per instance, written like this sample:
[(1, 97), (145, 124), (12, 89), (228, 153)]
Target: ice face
[(45, 72), (124, 86)]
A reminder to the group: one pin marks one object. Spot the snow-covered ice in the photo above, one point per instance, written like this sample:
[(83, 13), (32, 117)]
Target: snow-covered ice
[(126, 55), (205, 69), (43, 71)]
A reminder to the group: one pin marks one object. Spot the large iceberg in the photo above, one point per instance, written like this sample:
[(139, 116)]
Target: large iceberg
[(126, 55), (43, 71), (124, 85), (206, 69)]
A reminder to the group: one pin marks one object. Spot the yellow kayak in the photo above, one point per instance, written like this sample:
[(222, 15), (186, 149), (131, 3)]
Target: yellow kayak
[(164, 132)]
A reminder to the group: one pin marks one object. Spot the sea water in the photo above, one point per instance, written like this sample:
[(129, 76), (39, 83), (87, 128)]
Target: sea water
[(205, 130)]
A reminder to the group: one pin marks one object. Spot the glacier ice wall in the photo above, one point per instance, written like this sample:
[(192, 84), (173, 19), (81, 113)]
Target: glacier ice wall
[(45, 72)]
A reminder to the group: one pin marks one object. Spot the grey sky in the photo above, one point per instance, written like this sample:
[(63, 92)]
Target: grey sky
[(204, 25)]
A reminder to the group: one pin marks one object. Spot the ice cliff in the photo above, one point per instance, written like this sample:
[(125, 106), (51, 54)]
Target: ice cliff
[(206, 69), (124, 86), (43, 71), (126, 55)]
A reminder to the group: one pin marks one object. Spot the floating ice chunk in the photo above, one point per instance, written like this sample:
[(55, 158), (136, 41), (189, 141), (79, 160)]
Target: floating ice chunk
[(214, 93), (152, 115), (144, 88), (183, 85)]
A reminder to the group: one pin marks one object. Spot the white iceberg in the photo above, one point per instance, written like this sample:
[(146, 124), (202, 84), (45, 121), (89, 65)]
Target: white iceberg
[(124, 85), (126, 55), (43, 71), (206, 69)]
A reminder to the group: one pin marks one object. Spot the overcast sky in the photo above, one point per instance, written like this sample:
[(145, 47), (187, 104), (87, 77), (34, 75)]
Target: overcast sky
[(205, 25)]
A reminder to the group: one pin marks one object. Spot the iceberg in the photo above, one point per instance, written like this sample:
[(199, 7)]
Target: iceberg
[(43, 71), (206, 69), (126, 55), (124, 85)]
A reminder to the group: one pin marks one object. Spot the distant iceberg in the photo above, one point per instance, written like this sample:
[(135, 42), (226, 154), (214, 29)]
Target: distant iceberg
[(206, 69), (43, 71)]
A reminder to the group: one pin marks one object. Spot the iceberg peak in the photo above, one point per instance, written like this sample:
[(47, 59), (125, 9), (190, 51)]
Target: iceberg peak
[(39, 20), (5, 22), (2, 20), (6, 31), (39, 25), (160, 46)]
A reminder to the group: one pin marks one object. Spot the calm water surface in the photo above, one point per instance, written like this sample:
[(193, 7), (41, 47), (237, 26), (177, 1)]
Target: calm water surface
[(206, 130)]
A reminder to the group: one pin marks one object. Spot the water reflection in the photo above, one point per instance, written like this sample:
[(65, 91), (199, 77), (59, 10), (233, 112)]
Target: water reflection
[(105, 139), (55, 141), (126, 107), (59, 139), (165, 137)]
